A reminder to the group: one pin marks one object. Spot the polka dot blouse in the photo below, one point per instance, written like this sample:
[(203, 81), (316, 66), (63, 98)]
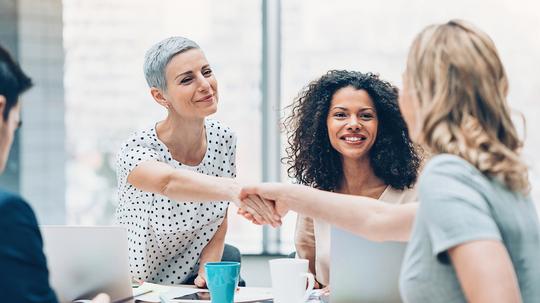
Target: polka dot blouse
[(166, 237)]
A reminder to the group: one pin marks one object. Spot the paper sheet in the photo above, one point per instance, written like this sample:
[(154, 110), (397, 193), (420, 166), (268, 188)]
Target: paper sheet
[(159, 290), (164, 293)]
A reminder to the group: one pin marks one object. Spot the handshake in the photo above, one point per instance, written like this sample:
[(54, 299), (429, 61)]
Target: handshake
[(265, 203)]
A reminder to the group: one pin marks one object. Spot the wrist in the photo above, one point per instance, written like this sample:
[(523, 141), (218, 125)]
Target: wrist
[(290, 192), (233, 191)]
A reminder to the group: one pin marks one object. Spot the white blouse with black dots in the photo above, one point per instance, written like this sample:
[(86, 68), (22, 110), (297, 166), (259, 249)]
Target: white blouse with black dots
[(166, 237)]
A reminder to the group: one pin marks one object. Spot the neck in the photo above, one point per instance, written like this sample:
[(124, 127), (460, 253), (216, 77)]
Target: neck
[(359, 179), (185, 138)]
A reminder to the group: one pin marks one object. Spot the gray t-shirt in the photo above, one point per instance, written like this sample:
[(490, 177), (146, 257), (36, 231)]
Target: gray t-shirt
[(459, 204)]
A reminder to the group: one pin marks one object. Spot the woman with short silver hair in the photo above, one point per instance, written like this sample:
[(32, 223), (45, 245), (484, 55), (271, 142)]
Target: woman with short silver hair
[(176, 177)]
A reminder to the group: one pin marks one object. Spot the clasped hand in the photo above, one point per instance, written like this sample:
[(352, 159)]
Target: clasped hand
[(261, 204)]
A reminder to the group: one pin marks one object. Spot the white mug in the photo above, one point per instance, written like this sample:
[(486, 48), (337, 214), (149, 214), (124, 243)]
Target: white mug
[(289, 280)]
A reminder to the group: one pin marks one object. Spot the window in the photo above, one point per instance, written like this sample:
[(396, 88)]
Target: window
[(107, 97)]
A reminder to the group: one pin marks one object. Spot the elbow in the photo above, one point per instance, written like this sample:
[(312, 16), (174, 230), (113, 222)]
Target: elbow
[(379, 228), (375, 235), (383, 229)]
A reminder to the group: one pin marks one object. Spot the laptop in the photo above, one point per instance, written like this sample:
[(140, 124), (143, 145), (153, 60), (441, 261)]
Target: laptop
[(84, 261), (364, 271)]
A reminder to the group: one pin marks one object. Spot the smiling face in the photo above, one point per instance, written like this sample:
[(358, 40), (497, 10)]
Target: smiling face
[(191, 86), (352, 123)]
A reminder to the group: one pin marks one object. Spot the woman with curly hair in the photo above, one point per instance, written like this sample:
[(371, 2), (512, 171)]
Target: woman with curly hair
[(349, 141), (476, 237)]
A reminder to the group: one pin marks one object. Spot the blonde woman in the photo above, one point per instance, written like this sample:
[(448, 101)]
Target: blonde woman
[(476, 233)]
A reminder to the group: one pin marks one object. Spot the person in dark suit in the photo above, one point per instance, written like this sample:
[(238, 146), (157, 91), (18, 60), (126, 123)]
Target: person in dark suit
[(24, 276)]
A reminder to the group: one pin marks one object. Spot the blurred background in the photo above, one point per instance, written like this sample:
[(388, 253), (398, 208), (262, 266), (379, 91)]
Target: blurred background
[(86, 60)]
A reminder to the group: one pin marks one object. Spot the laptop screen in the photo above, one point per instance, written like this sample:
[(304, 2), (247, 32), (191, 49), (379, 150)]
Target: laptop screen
[(363, 270)]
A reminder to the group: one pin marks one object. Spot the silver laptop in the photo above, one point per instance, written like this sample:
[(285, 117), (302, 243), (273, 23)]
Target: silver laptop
[(84, 261), (364, 271)]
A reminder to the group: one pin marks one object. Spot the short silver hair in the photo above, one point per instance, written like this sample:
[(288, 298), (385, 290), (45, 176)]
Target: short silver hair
[(159, 55)]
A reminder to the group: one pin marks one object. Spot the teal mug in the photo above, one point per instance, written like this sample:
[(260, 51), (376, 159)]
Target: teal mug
[(222, 280)]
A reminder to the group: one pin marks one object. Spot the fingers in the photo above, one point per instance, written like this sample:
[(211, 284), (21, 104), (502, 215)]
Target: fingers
[(200, 282), (326, 290), (248, 216), (271, 208), (262, 209), (245, 214), (101, 298), (248, 206), (265, 209)]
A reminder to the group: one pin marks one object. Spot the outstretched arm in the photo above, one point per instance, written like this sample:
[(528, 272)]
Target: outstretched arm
[(182, 185), (363, 216)]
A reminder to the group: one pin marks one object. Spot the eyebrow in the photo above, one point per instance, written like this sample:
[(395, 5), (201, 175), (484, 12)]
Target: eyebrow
[(190, 72), (344, 108), (183, 74)]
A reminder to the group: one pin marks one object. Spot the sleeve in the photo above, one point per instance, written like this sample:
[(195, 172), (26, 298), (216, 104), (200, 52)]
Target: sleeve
[(24, 277), (134, 152), (454, 207), (305, 240)]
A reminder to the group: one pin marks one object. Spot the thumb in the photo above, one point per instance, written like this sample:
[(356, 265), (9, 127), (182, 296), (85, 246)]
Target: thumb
[(101, 298), (248, 190)]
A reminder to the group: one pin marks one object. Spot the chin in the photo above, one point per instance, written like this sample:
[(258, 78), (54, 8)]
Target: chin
[(209, 111), (354, 155)]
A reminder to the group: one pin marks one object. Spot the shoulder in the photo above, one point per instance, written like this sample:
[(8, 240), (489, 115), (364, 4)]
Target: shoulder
[(449, 164), (449, 178), (14, 208), (445, 168), (219, 127), (144, 138), (12, 201)]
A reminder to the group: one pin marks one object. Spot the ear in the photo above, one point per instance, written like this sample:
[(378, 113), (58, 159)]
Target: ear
[(159, 97), (2, 105)]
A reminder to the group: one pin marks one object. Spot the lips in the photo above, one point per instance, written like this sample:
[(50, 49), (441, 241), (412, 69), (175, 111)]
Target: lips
[(354, 138), (207, 98)]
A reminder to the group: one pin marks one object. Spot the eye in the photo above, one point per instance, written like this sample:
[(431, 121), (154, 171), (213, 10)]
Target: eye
[(340, 115), (366, 116), (207, 72), (186, 80)]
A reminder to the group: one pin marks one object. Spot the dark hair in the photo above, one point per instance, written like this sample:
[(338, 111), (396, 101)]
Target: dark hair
[(312, 159), (13, 81)]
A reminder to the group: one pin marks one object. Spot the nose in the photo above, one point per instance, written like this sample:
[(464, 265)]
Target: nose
[(204, 85), (353, 124)]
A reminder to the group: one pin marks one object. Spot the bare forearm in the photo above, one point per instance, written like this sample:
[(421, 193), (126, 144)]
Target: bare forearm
[(304, 240), (364, 216), (184, 185), (213, 251)]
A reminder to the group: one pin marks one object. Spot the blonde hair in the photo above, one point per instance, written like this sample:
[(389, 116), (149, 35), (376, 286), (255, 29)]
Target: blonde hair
[(456, 75)]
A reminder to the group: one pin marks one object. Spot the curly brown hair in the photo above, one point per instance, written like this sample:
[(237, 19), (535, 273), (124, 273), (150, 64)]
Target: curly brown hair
[(312, 159)]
